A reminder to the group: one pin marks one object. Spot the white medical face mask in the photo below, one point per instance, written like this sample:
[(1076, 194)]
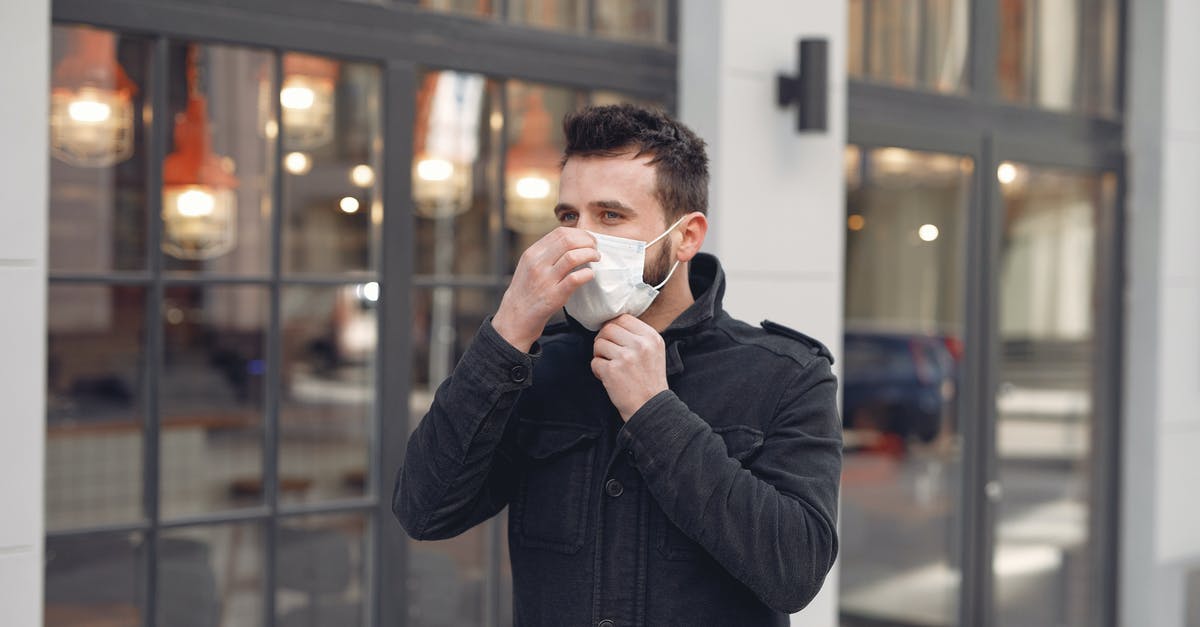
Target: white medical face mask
[(618, 287)]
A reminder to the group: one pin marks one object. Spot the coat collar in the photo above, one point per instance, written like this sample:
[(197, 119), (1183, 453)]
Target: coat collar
[(707, 282)]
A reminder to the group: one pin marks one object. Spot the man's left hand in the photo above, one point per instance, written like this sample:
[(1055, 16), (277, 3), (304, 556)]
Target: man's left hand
[(629, 358)]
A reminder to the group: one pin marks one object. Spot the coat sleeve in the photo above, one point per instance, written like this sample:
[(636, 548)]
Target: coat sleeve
[(460, 465), (771, 525)]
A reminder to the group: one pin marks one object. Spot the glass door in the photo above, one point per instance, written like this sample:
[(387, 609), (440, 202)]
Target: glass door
[(980, 329), (1048, 363), (905, 308)]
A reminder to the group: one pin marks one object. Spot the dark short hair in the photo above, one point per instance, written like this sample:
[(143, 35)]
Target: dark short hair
[(677, 154)]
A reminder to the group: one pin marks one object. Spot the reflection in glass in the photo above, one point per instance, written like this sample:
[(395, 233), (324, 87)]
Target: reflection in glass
[(91, 102), (532, 166), (634, 20), (94, 580), (211, 398), (446, 580), (564, 15), (489, 8), (329, 343), (441, 335), (1059, 55), (211, 576), (910, 43), (321, 571), (605, 97), (217, 177), (1043, 560), (904, 302), (95, 376), (98, 173), (457, 145), (199, 203), (332, 198)]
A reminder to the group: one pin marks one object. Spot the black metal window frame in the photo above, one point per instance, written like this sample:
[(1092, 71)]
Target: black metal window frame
[(977, 123), (403, 40)]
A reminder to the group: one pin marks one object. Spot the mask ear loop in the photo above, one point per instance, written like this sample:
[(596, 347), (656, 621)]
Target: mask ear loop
[(664, 282), (664, 233), (674, 265)]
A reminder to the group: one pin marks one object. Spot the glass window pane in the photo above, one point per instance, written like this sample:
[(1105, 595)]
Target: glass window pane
[(912, 43), (217, 175), (904, 304), (94, 580), (488, 8), (455, 169), (605, 97), (445, 320), (1059, 55), (642, 21), (95, 379), (321, 571), (535, 146), (329, 342), (211, 576), (1045, 417), (99, 102), (565, 15), (855, 65), (211, 398), (446, 580), (332, 198)]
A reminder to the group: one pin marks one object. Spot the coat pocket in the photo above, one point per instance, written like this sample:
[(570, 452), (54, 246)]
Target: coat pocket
[(551, 508), (743, 444)]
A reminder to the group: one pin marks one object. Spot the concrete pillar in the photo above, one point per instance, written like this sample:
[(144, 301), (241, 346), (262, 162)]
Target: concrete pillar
[(777, 196), (25, 29)]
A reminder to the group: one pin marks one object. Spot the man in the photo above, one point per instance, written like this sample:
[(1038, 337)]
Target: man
[(677, 467)]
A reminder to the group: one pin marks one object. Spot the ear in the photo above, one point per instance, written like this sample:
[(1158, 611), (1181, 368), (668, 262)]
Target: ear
[(693, 230)]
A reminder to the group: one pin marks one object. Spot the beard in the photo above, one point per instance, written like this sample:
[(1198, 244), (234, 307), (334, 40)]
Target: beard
[(656, 270)]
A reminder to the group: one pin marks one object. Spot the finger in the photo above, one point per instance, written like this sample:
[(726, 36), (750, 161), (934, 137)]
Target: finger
[(606, 349), (616, 333), (551, 245), (599, 367), (633, 325), (572, 259), (568, 284)]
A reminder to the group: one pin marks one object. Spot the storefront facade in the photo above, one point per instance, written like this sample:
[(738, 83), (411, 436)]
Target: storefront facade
[(270, 230)]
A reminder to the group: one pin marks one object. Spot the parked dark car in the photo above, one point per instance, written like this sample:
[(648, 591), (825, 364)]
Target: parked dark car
[(898, 383)]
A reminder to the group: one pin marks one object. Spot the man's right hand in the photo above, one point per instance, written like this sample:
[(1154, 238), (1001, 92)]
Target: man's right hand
[(545, 278)]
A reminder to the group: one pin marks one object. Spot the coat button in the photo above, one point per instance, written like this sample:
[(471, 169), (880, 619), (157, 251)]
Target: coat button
[(614, 488), (519, 373), (606, 623)]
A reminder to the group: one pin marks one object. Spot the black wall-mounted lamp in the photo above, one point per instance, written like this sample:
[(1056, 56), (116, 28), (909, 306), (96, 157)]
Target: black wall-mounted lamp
[(810, 90)]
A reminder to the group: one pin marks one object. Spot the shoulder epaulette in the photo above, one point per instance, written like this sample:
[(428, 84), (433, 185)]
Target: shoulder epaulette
[(814, 346)]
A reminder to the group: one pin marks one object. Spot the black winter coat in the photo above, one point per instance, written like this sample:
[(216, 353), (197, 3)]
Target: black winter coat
[(715, 504)]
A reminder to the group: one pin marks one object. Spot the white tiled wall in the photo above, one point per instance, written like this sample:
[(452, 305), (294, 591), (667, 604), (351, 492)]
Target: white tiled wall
[(24, 27), (777, 196)]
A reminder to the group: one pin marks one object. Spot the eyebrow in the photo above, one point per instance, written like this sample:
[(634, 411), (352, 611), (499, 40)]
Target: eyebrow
[(599, 204)]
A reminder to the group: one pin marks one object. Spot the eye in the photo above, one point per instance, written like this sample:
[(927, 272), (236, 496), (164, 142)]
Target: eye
[(612, 215), (565, 217)]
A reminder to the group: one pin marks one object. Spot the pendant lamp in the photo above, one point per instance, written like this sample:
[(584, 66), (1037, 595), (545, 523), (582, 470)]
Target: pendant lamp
[(531, 185), (91, 103), (307, 96), (199, 203)]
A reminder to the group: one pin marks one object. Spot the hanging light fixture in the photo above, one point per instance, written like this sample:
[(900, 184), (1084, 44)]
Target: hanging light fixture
[(531, 189), (531, 184), (307, 96), (199, 204), (91, 103), (447, 143)]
